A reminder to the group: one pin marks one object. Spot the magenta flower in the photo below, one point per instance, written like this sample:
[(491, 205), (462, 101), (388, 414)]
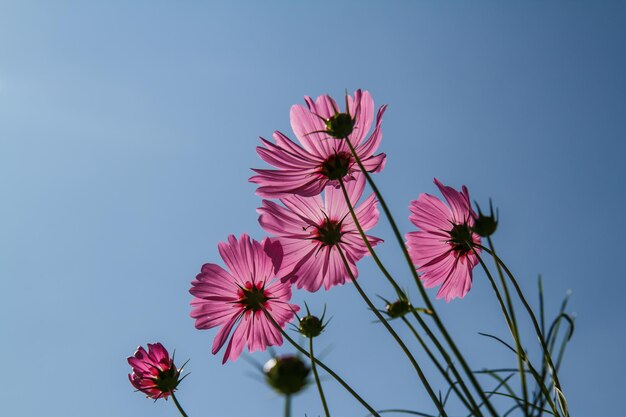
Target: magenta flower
[(324, 156), (311, 229), (154, 372), (443, 250), (236, 298)]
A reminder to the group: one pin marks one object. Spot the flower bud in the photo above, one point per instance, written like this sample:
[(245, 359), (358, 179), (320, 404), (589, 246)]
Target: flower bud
[(287, 374), (398, 308), (485, 225), (310, 326), (340, 125)]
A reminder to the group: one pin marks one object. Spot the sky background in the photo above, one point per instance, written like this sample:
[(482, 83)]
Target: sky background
[(127, 134)]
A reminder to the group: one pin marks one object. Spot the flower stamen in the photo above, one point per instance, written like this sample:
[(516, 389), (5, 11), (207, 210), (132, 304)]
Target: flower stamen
[(253, 297), (336, 166), (461, 238), (329, 233)]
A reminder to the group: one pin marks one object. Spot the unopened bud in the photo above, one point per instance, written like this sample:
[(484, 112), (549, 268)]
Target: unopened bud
[(340, 125), (287, 374), (398, 308), (310, 326), (485, 225)]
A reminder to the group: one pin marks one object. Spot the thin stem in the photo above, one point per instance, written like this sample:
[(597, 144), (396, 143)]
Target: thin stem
[(401, 294), (501, 382), (449, 362), (317, 379), (551, 338), (437, 364), (513, 327), (531, 314), (180, 409), (397, 338), (419, 284), (506, 386), (287, 405), (517, 350), (321, 365), (355, 219)]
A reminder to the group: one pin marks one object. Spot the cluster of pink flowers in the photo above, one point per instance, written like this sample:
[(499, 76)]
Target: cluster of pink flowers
[(318, 219), (311, 227), (311, 224)]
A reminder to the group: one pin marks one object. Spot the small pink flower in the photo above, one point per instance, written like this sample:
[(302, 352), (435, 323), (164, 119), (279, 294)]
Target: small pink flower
[(443, 249), (311, 229), (236, 298), (154, 372), (323, 158)]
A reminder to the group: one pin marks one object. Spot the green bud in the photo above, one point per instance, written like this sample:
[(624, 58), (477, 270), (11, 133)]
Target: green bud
[(485, 225), (310, 326), (340, 125), (398, 308), (287, 374)]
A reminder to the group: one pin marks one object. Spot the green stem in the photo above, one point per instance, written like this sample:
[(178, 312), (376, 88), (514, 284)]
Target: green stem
[(540, 336), (355, 219), (401, 294), (321, 365), (317, 378), (438, 365), (475, 408), (543, 389), (551, 344), (420, 286), (180, 409), (397, 338), (513, 329), (287, 405)]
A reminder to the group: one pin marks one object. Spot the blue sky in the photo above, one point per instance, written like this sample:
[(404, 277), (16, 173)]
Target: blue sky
[(127, 131)]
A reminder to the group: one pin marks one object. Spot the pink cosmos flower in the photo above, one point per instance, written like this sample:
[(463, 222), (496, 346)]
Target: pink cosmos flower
[(324, 156), (236, 298), (312, 228), (154, 372), (442, 249)]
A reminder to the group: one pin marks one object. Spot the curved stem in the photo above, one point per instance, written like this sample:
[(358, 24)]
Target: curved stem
[(437, 364), (540, 336), (475, 409), (180, 409), (512, 328), (550, 341), (380, 265), (420, 286), (317, 379), (401, 294), (321, 365), (397, 338)]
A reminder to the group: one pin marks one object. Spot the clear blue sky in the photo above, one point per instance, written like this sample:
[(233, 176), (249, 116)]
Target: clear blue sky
[(127, 130)]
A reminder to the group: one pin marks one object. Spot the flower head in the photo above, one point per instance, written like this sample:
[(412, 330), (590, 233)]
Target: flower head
[(324, 157), (443, 250), (154, 372), (312, 229), (240, 296)]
